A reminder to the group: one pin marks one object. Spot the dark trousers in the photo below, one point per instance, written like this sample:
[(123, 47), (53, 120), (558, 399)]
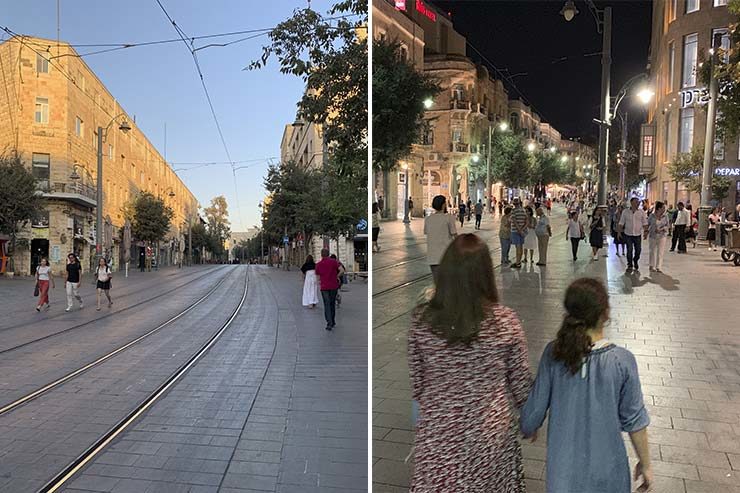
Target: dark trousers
[(679, 236), (477, 220), (462, 220), (329, 296), (574, 245), (634, 248)]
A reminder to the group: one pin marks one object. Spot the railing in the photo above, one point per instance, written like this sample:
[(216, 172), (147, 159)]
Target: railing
[(74, 187), (457, 104), (459, 147), (42, 186)]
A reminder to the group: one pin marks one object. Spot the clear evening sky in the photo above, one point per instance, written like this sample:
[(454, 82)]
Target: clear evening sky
[(159, 84)]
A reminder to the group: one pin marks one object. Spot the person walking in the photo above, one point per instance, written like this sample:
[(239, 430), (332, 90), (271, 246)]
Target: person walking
[(72, 281), (500, 207), (530, 240), (590, 390), (658, 225), (633, 225), (469, 209), (671, 214), (440, 230), (376, 226), (461, 213), (44, 277), (713, 219), (680, 224), (469, 374), (519, 221), (617, 239), (478, 213), (310, 283), (342, 275), (411, 209), (504, 235), (690, 229), (574, 233), (596, 233), (543, 232), (327, 271), (103, 276)]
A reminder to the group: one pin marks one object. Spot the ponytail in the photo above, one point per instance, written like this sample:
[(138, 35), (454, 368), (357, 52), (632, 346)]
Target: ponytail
[(586, 304)]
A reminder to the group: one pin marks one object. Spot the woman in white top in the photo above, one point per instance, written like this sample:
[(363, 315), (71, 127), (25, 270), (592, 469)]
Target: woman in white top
[(103, 275), (376, 226), (530, 240), (440, 229), (574, 233), (658, 236), (44, 276), (712, 231), (310, 283)]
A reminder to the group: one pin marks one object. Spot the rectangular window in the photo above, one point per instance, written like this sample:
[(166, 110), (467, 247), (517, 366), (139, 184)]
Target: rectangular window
[(724, 44), (79, 127), (692, 6), (690, 52), (42, 111), (671, 65), (42, 64), (110, 151), (647, 146), (720, 3), (40, 167), (686, 137), (456, 135), (667, 139)]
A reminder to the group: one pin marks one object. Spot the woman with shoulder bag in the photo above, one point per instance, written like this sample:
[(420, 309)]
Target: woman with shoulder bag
[(103, 276), (44, 276)]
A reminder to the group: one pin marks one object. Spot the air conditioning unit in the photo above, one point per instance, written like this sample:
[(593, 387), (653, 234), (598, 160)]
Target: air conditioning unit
[(434, 156)]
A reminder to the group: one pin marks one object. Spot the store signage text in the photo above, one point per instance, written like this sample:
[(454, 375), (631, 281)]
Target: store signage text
[(690, 97), (727, 171), (426, 11)]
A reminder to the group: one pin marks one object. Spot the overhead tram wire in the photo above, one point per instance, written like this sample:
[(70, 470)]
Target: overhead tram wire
[(191, 49)]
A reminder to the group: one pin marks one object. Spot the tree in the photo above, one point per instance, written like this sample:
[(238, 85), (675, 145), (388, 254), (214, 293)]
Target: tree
[(547, 168), (150, 217), (217, 219), (19, 201), (510, 162), (687, 168), (200, 239), (399, 90), (728, 80)]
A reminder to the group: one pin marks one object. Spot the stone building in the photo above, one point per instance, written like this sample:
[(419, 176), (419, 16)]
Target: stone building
[(681, 37), (50, 109)]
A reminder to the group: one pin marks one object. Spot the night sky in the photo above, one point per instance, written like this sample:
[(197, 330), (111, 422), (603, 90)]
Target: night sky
[(531, 37)]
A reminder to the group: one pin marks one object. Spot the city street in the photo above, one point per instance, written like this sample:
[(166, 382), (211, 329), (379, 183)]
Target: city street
[(202, 379), (681, 325)]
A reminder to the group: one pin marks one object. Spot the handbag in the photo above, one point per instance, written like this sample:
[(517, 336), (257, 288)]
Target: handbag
[(36, 289)]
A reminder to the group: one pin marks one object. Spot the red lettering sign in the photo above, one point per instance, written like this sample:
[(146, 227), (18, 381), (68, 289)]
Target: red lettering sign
[(426, 11)]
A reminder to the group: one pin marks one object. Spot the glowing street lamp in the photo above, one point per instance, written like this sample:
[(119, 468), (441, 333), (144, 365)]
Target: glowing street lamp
[(531, 147), (475, 158), (428, 103), (503, 126), (552, 149), (564, 159), (645, 95)]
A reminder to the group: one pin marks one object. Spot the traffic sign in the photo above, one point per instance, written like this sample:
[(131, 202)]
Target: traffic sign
[(286, 240), (362, 224)]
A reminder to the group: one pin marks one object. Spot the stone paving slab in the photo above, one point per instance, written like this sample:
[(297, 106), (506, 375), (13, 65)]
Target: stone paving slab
[(679, 325), (278, 404)]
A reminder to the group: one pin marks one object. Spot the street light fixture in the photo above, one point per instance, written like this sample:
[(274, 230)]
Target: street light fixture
[(475, 159), (406, 219), (645, 94), (569, 10), (428, 103), (552, 149), (531, 147), (503, 126), (564, 159)]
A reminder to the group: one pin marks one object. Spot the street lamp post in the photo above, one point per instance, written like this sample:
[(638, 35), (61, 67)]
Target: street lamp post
[(603, 20), (406, 219), (262, 234), (708, 168)]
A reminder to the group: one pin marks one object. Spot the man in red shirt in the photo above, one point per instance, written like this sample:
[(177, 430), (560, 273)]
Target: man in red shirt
[(328, 272)]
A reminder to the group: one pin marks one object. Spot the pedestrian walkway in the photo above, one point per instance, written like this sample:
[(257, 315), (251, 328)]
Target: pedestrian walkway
[(679, 325), (278, 404)]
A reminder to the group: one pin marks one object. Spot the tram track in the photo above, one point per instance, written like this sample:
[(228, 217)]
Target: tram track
[(98, 361), (106, 315), (399, 264), (60, 479)]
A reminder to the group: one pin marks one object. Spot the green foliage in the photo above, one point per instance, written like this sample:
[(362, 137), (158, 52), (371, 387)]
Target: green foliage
[(720, 187), (217, 219), (728, 80), (510, 162), (399, 91), (151, 218), (19, 201), (687, 169), (331, 56), (547, 168)]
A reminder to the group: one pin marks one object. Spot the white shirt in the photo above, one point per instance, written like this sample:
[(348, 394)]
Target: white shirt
[(574, 229), (440, 230), (103, 274), (633, 223), (43, 272), (683, 218)]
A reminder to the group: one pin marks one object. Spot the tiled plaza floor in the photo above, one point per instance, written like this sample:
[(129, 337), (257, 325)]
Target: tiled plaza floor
[(682, 327)]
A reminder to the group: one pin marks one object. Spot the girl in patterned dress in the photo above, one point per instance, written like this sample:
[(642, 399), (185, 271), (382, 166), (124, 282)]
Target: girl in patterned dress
[(469, 374)]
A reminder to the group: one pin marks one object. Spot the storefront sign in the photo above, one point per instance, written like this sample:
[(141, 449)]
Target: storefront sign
[(426, 11), (727, 171), (690, 97), (401, 5)]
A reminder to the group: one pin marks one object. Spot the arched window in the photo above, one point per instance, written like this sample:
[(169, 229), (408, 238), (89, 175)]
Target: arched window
[(514, 121)]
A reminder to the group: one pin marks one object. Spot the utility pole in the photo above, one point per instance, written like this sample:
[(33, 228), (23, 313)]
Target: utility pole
[(708, 167), (488, 167), (623, 152), (606, 61)]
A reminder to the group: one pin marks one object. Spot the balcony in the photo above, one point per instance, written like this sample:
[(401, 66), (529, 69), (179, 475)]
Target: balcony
[(479, 108), (457, 104), (78, 193), (459, 147)]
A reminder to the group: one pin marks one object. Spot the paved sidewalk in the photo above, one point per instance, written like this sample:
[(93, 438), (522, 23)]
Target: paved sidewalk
[(680, 326), (278, 404)]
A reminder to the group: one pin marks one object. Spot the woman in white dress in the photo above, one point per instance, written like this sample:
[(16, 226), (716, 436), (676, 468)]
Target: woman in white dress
[(310, 283), (530, 241)]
